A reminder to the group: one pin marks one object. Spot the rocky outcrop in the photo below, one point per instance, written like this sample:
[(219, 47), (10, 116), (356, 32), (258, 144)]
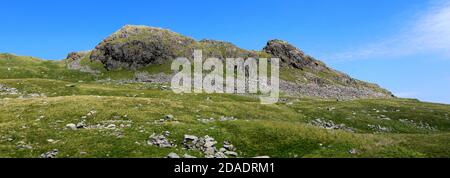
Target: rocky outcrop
[(319, 80), (291, 56), (135, 47)]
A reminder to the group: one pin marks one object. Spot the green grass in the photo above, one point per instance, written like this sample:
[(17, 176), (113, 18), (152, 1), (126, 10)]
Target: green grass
[(280, 130), (94, 65)]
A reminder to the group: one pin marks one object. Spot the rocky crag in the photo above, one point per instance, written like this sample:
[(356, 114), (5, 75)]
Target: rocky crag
[(135, 47)]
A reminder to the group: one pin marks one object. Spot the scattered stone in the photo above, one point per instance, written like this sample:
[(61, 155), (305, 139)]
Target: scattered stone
[(81, 125), (209, 142), (160, 140), (353, 151), (228, 146), (111, 126), (220, 155), (71, 126), (223, 119), (420, 125), (23, 145), (207, 145), (4, 90), (190, 139), (169, 117), (188, 156), (52, 141), (262, 157), (330, 125), (223, 150), (207, 120), (173, 155), (231, 153), (35, 95), (50, 154), (91, 113), (379, 128), (209, 151), (383, 117)]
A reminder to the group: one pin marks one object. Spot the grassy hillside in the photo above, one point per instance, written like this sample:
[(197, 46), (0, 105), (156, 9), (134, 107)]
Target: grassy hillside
[(34, 121)]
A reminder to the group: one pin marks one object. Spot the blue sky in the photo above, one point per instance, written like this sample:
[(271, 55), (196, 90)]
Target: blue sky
[(403, 45)]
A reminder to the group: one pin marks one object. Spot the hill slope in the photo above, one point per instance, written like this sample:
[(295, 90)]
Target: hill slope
[(114, 117)]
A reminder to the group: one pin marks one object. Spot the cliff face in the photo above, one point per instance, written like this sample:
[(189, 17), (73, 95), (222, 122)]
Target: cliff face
[(135, 47)]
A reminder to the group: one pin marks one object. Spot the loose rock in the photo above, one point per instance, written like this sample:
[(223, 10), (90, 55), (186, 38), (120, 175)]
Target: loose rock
[(263, 157), (330, 125), (160, 140), (72, 126), (353, 151), (50, 154), (207, 145), (188, 156), (173, 155)]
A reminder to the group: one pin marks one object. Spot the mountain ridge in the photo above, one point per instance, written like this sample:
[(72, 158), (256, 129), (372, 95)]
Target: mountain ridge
[(134, 47)]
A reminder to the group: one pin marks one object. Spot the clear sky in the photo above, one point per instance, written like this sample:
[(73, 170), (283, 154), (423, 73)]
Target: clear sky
[(403, 45)]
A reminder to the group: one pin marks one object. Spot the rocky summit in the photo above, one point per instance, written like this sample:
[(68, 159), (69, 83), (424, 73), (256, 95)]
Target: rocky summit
[(137, 47)]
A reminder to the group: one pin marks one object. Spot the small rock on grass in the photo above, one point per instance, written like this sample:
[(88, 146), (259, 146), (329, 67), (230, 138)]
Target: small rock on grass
[(169, 117), (231, 153), (72, 126), (173, 155), (50, 154), (188, 156), (353, 151), (263, 157), (160, 140)]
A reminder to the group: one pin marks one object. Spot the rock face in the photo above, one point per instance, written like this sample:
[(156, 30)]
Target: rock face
[(134, 47), (291, 56)]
